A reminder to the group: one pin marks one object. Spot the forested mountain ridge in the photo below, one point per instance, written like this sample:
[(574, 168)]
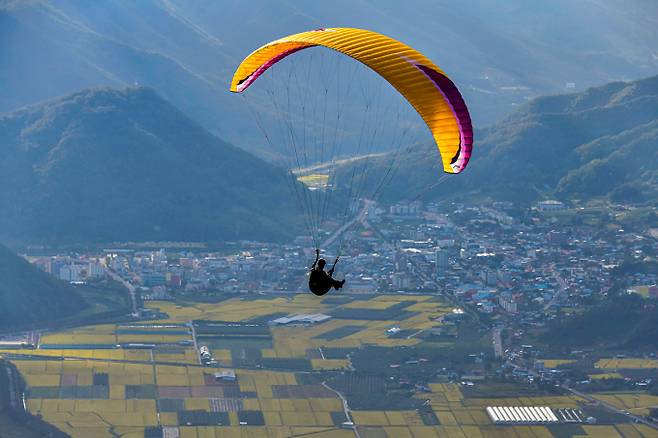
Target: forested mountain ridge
[(29, 296), (599, 143), (107, 165)]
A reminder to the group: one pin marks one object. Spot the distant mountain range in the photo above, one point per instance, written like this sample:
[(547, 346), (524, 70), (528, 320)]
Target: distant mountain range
[(499, 53), (29, 296), (602, 142), (117, 165)]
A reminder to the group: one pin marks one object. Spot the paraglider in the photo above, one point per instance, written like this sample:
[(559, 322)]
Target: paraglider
[(321, 282), (424, 86)]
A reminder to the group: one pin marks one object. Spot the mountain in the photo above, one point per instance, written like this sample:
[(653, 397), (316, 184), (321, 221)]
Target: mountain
[(578, 146), (108, 165), (598, 143), (28, 295), (52, 49), (500, 53)]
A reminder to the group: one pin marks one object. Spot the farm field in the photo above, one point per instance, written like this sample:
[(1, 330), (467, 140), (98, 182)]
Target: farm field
[(626, 363), (554, 363), (637, 403), (147, 379)]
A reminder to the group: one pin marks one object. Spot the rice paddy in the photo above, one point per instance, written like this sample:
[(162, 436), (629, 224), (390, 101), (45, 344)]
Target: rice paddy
[(145, 379), (314, 180), (626, 363), (554, 363), (636, 403)]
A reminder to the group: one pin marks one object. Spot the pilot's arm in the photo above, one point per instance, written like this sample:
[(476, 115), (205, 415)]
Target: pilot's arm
[(317, 257)]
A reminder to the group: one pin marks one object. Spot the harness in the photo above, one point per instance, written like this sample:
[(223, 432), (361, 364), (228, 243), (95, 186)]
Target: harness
[(321, 282)]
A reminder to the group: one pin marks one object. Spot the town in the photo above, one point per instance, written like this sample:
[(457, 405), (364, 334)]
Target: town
[(502, 261)]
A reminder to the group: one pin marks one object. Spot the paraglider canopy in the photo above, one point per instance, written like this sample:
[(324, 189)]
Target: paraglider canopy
[(424, 85)]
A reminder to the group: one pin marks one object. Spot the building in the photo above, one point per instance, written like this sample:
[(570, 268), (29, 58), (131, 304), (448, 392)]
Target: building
[(488, 277), (150, 279), (304, 318), (362, 285), (401, 281), (507, 303), (204, 351), (441, 261), (521, 415), (550, 205), (393, 331), (411, 209), (65, 273), (95, 270), (72, 273), (174, 280), (225, 376)]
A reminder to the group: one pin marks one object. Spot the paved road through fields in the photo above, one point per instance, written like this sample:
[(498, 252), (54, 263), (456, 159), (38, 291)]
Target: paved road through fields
[(127, 285)]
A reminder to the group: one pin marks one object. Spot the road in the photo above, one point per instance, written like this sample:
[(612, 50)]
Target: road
[(346, 408), (127, 285), (13, 388), (563, 287), (12, 356), (358, 218), (497, 341), (155, 381), (196, 345)]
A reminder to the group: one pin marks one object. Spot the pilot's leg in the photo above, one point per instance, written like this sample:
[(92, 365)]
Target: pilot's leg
[(337, 284)]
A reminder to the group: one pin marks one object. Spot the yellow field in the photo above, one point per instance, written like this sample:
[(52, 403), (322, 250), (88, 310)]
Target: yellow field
[(188, 356), (235, 309), (369, 304), (636, 402), (176, 368), (554, 401), (316, 180), (94, 416), (329, 364), (640, 290), (628, 363), (554, 363), (36, 373), (605, 376), (152, 339)]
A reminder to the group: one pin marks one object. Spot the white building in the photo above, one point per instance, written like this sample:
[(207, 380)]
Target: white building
[(304, 318), (550, 205), (521, 415)]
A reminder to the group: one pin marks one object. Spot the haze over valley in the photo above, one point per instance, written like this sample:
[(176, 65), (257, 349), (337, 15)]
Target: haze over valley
[(366, 218)]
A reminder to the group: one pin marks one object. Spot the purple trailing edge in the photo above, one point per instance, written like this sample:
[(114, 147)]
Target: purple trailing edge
[(454, 99)]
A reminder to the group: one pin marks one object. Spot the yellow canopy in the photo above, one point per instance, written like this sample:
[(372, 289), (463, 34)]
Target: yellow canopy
[(424, 85)]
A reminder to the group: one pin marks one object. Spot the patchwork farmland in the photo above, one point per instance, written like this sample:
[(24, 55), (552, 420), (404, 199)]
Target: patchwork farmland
[(228, 369)]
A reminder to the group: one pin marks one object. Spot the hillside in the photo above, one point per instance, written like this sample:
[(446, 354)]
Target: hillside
[(500, 53), (598, 143), (28, 295), (117, 165), (634, 326)]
